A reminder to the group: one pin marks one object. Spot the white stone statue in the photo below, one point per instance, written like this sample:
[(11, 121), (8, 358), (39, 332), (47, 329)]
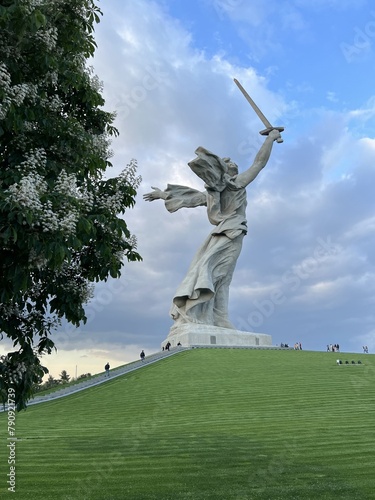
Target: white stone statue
[(203, 295)]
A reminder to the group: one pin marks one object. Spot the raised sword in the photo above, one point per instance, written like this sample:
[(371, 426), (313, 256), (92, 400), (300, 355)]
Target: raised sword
[(259, 113)]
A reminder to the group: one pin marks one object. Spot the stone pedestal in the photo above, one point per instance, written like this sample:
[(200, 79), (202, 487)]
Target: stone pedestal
[(192, 334)]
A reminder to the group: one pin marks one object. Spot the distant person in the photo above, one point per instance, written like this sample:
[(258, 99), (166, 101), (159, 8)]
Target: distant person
[(142, 355), (107, 367), (167, 346), (300, 346), (179, 344)]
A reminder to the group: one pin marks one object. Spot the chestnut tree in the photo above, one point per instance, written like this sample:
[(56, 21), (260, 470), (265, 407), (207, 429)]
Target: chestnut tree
[(61, 223)]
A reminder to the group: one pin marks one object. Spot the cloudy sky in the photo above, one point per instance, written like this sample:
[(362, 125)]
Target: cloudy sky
[(307, 268)]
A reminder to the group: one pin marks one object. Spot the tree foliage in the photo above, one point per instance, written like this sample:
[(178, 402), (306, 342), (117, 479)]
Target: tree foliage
[(61, 228), (64, 377)]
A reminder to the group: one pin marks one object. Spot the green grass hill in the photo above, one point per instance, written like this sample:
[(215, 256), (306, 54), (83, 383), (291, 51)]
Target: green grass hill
[(205, 424)]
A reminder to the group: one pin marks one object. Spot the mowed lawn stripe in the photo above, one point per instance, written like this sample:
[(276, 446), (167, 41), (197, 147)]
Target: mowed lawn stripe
[(207, 424)]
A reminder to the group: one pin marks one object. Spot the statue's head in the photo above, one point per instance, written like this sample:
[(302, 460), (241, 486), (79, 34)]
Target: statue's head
[(232, 168), (207, 162)]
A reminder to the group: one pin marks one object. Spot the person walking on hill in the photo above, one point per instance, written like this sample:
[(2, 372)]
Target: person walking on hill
[(107, 367), (142, 355)]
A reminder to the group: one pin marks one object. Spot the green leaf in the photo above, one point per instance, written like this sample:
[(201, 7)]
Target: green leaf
[(39, 19), (84, 225)]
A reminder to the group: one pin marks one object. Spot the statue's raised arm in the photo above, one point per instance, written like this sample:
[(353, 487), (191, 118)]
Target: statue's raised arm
[(260, 161)]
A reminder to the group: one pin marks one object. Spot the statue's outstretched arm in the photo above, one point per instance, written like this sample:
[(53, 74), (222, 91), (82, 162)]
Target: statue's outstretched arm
[(156, 194), (260, 161)]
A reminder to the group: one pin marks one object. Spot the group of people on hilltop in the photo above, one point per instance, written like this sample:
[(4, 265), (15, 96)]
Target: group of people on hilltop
[(297, 346), (333, 348)]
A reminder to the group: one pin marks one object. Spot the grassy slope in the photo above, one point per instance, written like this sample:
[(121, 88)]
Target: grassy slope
[(206, 424)]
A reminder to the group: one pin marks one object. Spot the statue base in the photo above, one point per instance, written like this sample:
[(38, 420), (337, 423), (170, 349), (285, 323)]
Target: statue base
[(194, 334)]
